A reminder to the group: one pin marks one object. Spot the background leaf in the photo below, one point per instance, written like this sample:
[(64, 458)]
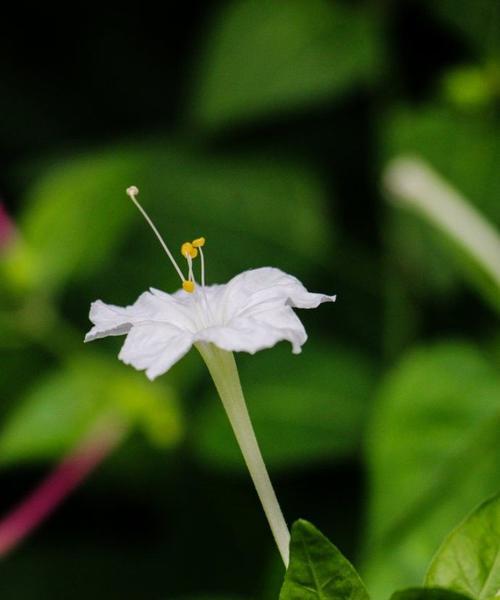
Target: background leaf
[(318, 570), (433, 452), (469, 559), (62, 408), (271, 56), (74, 220)]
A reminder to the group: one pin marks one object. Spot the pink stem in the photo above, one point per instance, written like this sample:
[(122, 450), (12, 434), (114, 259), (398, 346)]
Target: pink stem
[(7, 230), (44, 499)]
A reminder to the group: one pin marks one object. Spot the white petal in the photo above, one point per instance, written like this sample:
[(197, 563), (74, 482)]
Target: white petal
[(150, 306), (258, 289), (247, 334), (155, 347), (108, 320)]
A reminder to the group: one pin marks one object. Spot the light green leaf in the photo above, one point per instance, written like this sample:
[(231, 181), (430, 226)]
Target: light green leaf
[(469, 559), (64, 406), (318, 570), (433, 452), (469, 87), (73, 220), (427, 594), (304, 409), (267, 56)]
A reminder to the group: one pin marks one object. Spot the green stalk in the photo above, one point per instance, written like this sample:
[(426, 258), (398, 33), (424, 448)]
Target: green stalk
[(222, 368)]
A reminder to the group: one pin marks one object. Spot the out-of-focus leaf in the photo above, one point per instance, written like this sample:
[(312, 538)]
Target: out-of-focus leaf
[(469, 559), (429, 593), (433, 452), (252, 211), (318, 569), (304, 409), (266, 56), (470, 87), (63, 407), (74, 218)]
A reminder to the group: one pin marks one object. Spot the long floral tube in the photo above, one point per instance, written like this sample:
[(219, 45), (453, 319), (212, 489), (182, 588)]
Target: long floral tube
[(414, 183), (223, 370), (45, 498)]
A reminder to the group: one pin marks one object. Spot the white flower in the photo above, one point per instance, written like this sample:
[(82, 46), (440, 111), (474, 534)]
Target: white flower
[(251, 312)]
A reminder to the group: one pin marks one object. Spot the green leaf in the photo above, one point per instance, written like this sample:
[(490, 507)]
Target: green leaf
[(304, 409), (429, 593), (469, 559), (318, 569), (433, 452), (266, 56), (73, 220), (64, 406)]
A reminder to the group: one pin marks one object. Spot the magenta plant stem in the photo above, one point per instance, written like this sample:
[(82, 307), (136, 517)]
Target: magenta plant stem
[(42, 502), (6, 228)]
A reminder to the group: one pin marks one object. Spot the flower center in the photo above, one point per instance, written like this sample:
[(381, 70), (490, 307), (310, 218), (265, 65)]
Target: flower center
[(189, 249)]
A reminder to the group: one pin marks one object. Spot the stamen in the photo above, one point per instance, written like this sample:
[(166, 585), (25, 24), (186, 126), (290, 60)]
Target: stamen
[(188, 286), (198, 242), (202, 259), (187, 249), (190, 265), (132, 192)]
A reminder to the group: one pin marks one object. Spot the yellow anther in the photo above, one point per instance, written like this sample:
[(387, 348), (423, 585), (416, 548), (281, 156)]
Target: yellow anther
[(198, 242), (187, 249), (188, 286)]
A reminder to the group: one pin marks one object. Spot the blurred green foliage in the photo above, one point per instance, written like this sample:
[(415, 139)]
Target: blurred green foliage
[(268, 56), (385, 430), (433, 452)]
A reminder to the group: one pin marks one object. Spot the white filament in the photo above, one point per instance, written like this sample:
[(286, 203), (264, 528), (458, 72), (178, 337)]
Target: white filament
[(202, 260), (132, 192)]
